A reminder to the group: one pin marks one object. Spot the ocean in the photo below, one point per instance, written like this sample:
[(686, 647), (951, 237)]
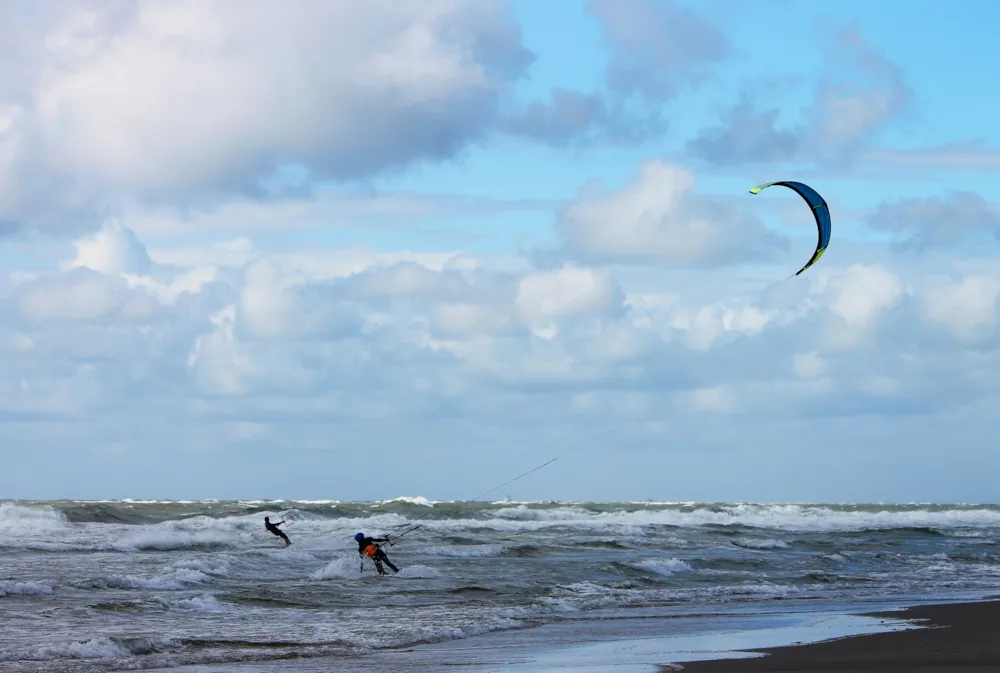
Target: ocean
[(130, 585)]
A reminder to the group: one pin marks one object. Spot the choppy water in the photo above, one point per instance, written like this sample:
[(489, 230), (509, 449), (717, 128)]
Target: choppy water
[(99, 586)]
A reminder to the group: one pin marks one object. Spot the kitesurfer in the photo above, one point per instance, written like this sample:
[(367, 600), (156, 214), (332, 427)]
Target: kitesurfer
[(368, 546), (273, 527)]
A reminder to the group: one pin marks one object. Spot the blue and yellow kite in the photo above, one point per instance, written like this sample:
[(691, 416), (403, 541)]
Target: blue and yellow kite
[(820, 209)]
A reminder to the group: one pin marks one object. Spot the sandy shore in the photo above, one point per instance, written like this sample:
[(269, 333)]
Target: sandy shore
[(962, 638)]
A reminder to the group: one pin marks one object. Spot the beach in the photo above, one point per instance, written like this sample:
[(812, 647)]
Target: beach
[(939, 638), (958, 637)]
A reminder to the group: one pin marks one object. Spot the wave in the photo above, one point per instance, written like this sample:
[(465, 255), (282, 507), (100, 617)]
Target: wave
[(172, 540), (94, 648), (470, 530), (418, 572), (200, 603), (467, 551), (409, 500), (339, 568), (174, 580), (15, 518), (210, 570), (663, 567), (10, 588), (600, 544), (754, 543), (20, 516), (524, 551)]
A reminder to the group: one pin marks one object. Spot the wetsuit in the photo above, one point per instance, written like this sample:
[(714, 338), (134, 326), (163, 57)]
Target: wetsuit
[(368, 546), (273, 527)]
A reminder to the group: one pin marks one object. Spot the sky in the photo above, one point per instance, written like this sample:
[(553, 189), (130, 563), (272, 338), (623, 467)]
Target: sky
[(342, 250)]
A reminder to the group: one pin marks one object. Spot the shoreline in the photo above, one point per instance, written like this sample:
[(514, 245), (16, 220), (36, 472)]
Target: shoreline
[(952, 637), (932, 637)]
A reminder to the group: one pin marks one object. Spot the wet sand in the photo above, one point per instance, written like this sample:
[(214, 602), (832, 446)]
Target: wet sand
[(611, 645), (937, 638), (959, 638)]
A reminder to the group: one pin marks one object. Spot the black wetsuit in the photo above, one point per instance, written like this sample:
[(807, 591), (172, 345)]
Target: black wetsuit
[(379, 557), (273, 527)]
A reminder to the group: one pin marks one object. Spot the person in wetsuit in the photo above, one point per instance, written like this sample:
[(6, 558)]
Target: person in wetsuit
[(368, 546), (273, 527)]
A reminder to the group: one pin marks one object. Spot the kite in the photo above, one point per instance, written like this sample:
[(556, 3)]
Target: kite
[(820, 209)]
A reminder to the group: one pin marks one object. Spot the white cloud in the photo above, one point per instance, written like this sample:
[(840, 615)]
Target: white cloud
[(856, 299), (221, 363), (719, 400), (965, 307), (84, 296), (236, 69), (21, 342), (463, 317), (658, 217), (657, 47), (112, 250), (190, 282), (808, 365), (254, 276), (861, 93), (236, 252), (286, 344), (935, 221), (565, 292), (190, 99), (278, 302)]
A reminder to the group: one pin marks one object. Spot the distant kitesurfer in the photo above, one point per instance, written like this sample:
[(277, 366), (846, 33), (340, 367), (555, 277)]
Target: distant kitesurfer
[(368, 546), (273, 527)]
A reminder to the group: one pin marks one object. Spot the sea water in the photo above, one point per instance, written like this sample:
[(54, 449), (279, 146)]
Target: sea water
[(126, 585)]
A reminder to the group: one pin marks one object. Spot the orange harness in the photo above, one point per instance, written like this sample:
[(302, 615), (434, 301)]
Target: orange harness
[(370, 551)]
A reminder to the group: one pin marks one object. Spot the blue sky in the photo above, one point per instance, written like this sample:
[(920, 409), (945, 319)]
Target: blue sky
[(364, 252)]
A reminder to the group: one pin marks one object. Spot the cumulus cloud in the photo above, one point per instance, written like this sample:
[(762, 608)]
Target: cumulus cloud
[(718, 400), (659, 50), (191, 99), (532, 323), (571, 117), (856, 299), (939, 221), (747, 134), (84, 296), (657, 47), (968, 308), (112, 250), (221, 364), (845, 115), (287, 344), (658, 217), (566, 292), (178, 336), (193, 103)]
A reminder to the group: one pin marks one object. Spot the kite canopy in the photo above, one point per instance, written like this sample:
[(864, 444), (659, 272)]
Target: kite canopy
[(820, 209)]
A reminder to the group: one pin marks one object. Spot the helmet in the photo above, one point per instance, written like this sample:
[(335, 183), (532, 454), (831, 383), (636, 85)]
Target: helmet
[(267, 518), (359, 536)]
